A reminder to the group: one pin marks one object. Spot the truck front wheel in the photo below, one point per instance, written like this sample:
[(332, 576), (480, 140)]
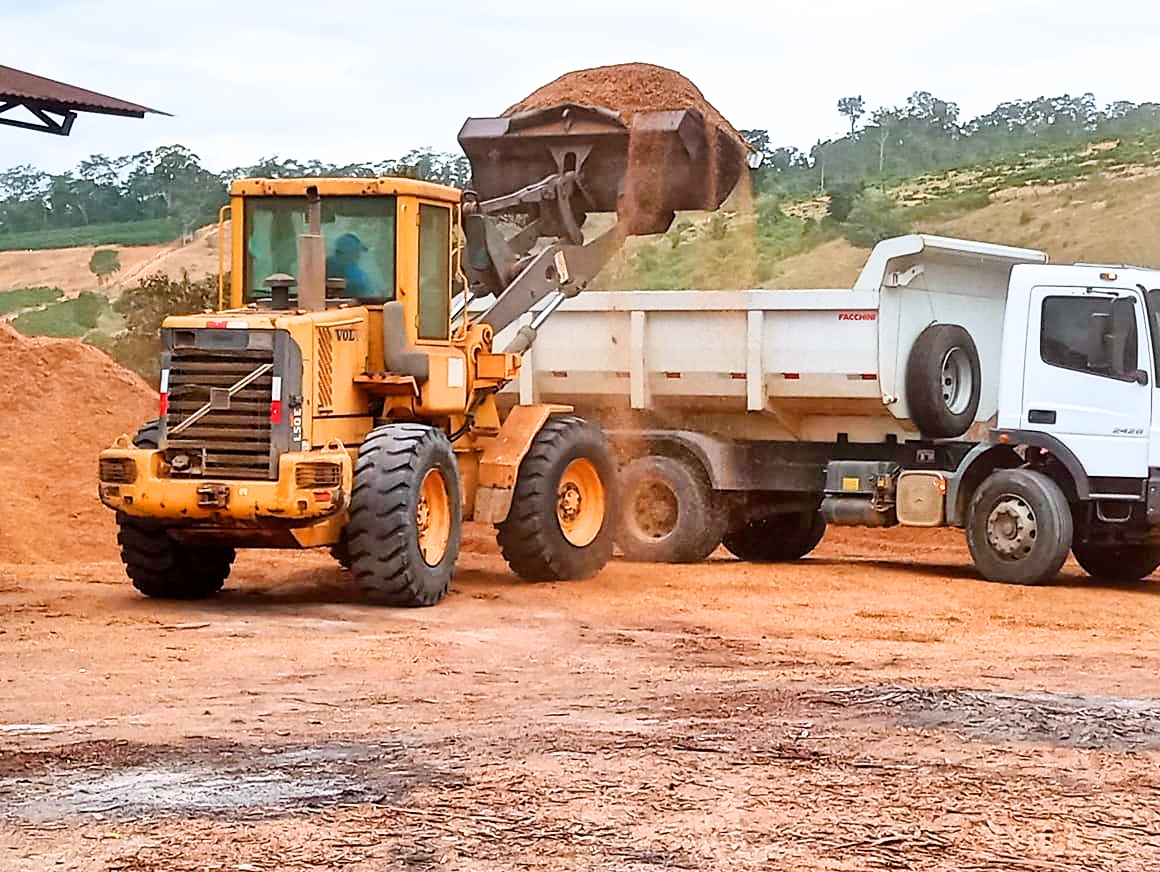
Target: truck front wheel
[(560, 526), (405, 515), (1019, 527), (163, 568), (1117, 562), (668, 512), (776, 538)]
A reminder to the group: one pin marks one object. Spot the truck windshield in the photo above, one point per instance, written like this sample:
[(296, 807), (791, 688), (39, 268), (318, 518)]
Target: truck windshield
[(360, 244)]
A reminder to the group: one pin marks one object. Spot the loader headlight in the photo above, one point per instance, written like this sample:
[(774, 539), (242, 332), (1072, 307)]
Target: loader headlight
[(118, 470), (317, 475)]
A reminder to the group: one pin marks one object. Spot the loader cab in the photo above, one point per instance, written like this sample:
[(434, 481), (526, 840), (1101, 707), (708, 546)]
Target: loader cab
[(384, 240), (1080, 372)]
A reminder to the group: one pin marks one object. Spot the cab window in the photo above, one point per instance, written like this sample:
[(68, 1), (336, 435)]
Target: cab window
[(1096, 335), (360, 244), (434, 272)]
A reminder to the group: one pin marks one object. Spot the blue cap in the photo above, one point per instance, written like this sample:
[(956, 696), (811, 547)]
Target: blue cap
[(348, 243)]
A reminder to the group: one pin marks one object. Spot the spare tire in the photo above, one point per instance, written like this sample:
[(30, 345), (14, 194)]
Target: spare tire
[(943, 381)]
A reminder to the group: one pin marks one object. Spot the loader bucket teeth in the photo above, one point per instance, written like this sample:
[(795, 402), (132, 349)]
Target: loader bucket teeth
[(645, 169)]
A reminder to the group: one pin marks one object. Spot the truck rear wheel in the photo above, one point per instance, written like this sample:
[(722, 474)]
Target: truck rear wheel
[(406, 517), (562, 514), (1019, 527), (668, 513), (776, 538), (1117, 562), (943, 381), (161, 567)]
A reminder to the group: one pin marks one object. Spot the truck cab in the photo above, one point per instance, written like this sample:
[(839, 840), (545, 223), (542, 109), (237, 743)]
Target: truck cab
[(1078, 369)]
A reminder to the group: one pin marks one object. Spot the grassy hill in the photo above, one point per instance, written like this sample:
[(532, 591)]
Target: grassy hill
[(1095, 203)]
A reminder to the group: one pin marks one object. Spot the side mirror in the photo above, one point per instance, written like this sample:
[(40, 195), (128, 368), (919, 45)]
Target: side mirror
[(1140, 376)]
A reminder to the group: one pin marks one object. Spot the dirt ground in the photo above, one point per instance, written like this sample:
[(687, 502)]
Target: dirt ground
[(873, 706)]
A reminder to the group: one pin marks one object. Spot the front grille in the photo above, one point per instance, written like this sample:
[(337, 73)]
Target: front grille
[(308, 475), (234, 436), (118, 470)]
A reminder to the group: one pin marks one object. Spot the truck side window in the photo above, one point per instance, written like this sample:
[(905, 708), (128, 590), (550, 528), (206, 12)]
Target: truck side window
[(1096, 335), (434, 272)]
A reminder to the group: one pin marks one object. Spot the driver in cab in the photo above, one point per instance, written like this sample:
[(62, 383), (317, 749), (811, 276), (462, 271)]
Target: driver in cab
[(344, 264)]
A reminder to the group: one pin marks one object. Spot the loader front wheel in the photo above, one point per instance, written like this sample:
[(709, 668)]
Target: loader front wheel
[(158, 565), (161, 567), (406, 517), (560, 526)]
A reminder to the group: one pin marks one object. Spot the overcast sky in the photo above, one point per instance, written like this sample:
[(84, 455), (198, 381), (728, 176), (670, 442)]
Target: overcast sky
[(365, 80)]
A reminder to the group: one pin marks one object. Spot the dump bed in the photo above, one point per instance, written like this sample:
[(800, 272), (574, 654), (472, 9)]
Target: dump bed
[(777, 364)]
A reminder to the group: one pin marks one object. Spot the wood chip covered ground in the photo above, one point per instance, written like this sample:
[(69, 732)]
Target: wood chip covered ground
[(875, 706)]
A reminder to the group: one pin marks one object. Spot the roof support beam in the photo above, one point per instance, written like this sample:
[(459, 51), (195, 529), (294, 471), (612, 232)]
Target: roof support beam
[(52, 120)]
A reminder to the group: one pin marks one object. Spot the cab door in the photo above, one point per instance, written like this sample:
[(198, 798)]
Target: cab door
[(1087, 376)]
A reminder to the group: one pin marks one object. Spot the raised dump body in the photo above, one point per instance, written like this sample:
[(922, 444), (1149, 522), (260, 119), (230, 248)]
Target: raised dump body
[(798, 365)]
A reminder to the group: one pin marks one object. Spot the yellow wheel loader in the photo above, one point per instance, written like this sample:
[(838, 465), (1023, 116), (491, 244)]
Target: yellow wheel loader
[(344, 396)]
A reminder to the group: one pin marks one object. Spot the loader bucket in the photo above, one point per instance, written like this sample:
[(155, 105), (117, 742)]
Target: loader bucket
[(644, 170)]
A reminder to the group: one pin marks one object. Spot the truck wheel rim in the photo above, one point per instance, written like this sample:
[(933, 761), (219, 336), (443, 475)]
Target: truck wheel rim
[(1012, 528), (653, 510), (955, 380), (580, 503), (433, 517)]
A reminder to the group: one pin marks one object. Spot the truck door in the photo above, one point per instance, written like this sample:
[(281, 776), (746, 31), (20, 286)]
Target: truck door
[(1087, 376)]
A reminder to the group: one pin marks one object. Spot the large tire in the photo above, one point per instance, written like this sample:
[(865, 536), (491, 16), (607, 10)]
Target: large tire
[(340, 551), (943, 381), (406, 517), (163, 568), (776, 538), (668, 512), (1019, 527), (158, 565), (562, 516), (1117, 562)]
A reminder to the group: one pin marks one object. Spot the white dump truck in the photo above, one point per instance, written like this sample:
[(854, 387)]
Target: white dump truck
[(957, 383)]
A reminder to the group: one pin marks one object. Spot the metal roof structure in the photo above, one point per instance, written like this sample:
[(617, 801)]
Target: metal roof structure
[(53, 105)]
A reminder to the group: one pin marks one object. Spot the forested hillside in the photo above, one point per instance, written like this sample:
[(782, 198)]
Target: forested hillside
[(155, 196)]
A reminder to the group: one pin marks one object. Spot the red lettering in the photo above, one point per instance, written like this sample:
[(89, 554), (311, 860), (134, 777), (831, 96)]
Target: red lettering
[(857, 316)]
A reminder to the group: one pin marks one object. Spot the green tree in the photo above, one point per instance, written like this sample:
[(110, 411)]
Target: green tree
[(103, 263), (143, 308), (853, 108)]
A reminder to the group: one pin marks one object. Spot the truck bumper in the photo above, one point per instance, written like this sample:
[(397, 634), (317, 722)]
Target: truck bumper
[(311, 486)]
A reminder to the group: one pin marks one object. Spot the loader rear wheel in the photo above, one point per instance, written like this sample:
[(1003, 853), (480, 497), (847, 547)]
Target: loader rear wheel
[(161, 567), (943, 381), (561, 518), (1019, 527), (1117, 562), (667, 512), (406, 517), (776, 538)]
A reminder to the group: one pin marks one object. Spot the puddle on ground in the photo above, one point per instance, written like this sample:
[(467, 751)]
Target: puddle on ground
[(1082, 721), (216, 781)]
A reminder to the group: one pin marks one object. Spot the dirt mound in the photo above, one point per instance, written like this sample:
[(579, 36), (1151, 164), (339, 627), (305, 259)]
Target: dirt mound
[(63, 402), (627, 89)]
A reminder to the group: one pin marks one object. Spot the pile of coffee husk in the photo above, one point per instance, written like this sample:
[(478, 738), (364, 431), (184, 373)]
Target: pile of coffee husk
[(62, 403), (629, 89)]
